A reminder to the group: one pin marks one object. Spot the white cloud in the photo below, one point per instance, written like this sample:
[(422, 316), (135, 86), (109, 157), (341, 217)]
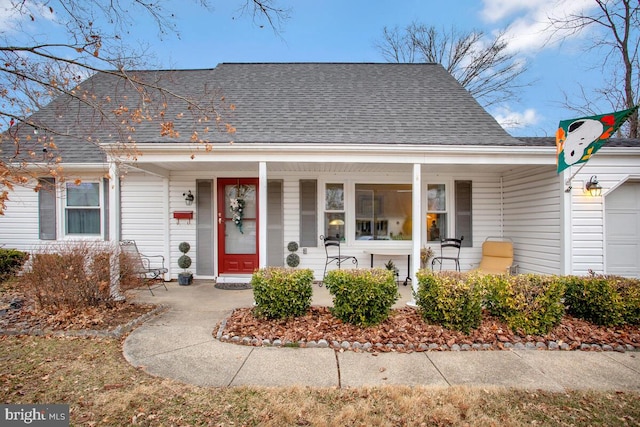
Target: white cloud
[(12, 17), (509, 119), (8, 16), (496, 10), (528, 22)]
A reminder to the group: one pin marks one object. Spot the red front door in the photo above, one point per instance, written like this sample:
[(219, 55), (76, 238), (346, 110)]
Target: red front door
[(237, 225)]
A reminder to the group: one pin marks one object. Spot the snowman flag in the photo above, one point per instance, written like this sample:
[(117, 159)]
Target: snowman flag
[(579, 139)]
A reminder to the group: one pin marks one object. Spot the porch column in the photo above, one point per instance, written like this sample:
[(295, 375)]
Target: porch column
[(114, 202), (416, 222), (566, 223), (262, 214), (114, 230)]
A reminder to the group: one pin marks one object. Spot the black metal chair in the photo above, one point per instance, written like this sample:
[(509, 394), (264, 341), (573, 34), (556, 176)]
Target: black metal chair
[(332, 249), (142, 265), (449, 250)]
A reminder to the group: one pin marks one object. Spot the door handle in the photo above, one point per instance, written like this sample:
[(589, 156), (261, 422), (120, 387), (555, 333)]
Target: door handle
[(219, 217)]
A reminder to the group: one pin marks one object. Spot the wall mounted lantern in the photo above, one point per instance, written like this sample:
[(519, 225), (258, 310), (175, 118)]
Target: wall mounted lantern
[(188, 198), (593, 187)]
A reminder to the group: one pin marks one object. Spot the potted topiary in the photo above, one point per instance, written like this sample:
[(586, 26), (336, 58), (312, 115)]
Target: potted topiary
[(293, 260), (184, 262)]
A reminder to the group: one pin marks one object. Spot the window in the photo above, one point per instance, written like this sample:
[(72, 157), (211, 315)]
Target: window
[(82, 211), (334, 211), (383, 212), (436, 212), (308, 213)]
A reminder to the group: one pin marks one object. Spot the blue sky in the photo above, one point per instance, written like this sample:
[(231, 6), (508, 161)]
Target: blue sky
[(347, 31)]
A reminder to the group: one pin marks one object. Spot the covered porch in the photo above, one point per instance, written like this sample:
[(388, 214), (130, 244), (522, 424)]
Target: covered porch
[(369, 202)]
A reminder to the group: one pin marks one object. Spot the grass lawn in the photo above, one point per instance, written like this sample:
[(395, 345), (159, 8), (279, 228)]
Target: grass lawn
[(104, 390)]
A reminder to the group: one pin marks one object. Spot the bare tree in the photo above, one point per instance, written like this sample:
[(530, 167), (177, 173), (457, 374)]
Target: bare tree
[(36, 70), (616, 36), (484, 66)]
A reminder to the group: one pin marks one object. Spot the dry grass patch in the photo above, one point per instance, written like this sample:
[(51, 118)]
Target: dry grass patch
[(104, 390)]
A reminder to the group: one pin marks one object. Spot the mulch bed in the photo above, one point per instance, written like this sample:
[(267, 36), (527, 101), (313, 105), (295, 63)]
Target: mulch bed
[(405, 330), (19, 315)]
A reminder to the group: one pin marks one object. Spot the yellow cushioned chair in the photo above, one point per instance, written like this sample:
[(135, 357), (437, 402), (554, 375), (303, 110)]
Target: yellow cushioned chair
[(497, 257)]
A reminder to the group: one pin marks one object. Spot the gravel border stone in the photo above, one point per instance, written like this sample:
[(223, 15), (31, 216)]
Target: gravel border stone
[(404, 348), (117, 332)]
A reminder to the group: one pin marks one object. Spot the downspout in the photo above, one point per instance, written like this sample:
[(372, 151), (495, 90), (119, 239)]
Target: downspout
[(166, 238)]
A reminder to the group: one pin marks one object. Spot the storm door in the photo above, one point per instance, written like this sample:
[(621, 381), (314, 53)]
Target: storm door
[(237, 225)]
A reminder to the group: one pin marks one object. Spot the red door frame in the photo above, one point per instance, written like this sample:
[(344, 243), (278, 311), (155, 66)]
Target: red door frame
[(236, 263)]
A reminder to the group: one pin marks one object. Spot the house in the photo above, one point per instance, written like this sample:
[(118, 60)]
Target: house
[(386, 157)]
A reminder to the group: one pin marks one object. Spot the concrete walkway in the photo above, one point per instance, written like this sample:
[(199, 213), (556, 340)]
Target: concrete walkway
[(179, 344)]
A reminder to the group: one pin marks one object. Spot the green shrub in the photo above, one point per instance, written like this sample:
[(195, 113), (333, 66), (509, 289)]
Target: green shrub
[(498, 293), (529, 303), (631, 300), (11, 261), (362, 297), (282, 292), (449, 299), (603, 300)]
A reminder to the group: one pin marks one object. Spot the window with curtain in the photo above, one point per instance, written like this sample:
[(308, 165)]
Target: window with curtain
[(334, 211), (461, 212), (436, 212), (82, 209)]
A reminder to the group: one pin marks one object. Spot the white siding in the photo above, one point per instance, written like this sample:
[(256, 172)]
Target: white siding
[(588, 213), (19, 227), (486, 218), (532, 218), (143, 213)]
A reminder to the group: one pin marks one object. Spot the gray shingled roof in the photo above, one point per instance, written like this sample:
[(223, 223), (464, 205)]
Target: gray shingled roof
[(341, 103), (354, 103)]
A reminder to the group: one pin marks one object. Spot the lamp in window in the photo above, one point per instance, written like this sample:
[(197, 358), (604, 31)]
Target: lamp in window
[(188, 198), (593, 187), (335, 224)]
